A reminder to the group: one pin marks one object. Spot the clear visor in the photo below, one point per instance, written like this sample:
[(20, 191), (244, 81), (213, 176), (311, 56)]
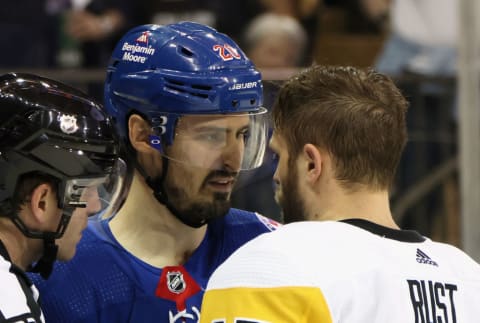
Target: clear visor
[(213, 141), (97, 195)]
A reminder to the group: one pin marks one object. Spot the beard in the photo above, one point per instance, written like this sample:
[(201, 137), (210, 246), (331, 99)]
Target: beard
[(291, 203), (196, 209)]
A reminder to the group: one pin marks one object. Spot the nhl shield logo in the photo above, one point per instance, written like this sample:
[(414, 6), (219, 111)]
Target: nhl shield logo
[(175, 282), (68, 123)]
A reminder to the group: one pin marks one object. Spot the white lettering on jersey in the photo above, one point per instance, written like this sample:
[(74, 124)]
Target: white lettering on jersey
[(184, 315)]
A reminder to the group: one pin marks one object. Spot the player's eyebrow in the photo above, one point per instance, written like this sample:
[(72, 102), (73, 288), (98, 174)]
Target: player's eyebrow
[(218, 128)]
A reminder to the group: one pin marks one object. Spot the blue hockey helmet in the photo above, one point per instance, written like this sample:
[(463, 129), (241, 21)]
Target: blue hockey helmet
[(164, 73)]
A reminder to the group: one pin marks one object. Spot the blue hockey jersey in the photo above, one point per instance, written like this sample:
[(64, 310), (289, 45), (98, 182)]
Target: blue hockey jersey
[(106, 283)]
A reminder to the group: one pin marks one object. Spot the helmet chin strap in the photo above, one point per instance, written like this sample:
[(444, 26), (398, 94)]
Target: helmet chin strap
[(44, 265), (156, 184)]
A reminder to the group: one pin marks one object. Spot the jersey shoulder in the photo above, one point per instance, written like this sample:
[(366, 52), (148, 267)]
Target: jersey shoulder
[(456, 260), (237, 218), (228, 233), (240, 226), (319, 246)]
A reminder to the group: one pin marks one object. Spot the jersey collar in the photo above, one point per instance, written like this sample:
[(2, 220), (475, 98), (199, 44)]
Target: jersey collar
[(400, 235)]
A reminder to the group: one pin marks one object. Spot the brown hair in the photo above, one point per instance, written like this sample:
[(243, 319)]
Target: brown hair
[(26, 183), (358, 116)]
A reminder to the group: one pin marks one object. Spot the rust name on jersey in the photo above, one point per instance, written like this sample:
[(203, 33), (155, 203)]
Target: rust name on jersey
[(433, 302)]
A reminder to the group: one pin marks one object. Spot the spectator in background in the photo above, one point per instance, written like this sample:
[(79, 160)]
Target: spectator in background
[(423, 36), (275, 41), (228, 17), (27, 35), (94, 25), (361, 16), (62, 33), (271, 41), (163, 12), (235, 15), (88, 30), (231, 17), (306, 12), (423, 42)]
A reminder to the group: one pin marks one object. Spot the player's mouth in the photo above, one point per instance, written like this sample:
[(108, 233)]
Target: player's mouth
[(221, 184)]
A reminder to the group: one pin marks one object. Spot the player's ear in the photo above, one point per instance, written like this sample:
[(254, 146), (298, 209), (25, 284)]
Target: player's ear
[(312, 162), (138, 133), (40, 202)]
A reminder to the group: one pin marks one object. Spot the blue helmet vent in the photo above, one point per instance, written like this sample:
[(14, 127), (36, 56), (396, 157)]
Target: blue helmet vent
[(186, 52), (196, 90)]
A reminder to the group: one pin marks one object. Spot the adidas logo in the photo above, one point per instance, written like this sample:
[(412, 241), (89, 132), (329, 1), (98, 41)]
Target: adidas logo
[(422, 258)]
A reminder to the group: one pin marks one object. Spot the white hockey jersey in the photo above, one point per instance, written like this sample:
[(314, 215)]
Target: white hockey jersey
[(350, 271)]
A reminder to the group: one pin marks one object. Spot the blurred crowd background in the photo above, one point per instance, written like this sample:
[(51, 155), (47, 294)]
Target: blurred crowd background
[(414, 41)]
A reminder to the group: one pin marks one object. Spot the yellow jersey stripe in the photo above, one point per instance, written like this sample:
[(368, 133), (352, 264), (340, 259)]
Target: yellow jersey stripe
[(265, 305)]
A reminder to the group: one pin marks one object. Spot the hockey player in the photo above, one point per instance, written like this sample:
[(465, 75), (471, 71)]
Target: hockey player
[(339, 134), (58, 164), (188, 105)]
